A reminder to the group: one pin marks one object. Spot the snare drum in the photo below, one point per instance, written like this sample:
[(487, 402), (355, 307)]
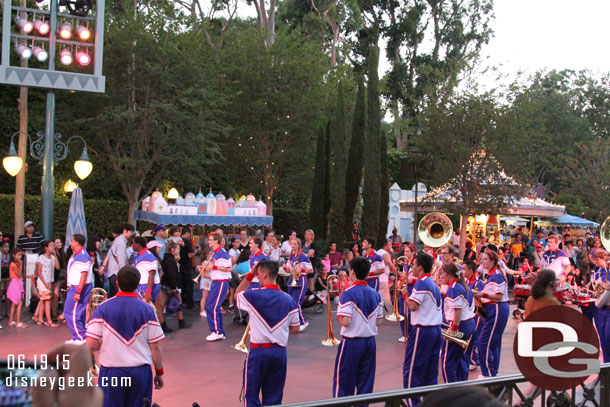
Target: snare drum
[(522, 290)]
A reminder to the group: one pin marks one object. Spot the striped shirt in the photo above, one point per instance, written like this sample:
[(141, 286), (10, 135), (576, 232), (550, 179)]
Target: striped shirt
[(30, 244)]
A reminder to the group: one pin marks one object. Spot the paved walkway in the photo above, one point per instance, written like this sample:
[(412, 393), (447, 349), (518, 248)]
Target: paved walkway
[(211, 373)]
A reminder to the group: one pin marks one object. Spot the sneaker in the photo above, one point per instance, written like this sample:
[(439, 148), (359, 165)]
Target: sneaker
[(182, 324), (166, 329), (472, 367), (69, 342), (231, 309), (302, 327), (481, 377), (203, 314), (79, 342), (402, 339), (214, 337), (223, 311)]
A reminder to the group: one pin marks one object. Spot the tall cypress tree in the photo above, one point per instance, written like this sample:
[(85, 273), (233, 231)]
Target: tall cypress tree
[(384, 198), (323, 232), (371, 191), (353, 172), (339, 157), (318, 190)]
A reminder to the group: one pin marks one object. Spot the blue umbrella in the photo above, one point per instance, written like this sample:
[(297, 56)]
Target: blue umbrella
[(568, 220), (76, 217)]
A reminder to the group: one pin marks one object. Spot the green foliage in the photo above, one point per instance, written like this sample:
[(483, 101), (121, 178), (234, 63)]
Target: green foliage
[(287, 219), (318, 217), (338, 165), (101, 215), (373, 188), (353, 172)]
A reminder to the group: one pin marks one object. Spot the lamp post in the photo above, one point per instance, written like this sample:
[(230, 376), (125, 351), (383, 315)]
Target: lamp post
[(48, 150)]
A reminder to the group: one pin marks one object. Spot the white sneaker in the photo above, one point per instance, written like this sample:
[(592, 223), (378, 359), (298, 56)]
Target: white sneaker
[(79, 342), (473, 367), (302, 327), (402, 339), (69, 342), (481, 377), (214, 337), (203, 314)]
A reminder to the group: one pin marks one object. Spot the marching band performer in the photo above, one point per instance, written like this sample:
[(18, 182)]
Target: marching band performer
[(219, 270), (256, 255), (409, 279), (474, 283), (79, 276), (555, 259), (459, 314), (601, 313), (495, 298), (377, 265), (303, 263), (273, 315), (420, 367), (146, 263), (360, 312)]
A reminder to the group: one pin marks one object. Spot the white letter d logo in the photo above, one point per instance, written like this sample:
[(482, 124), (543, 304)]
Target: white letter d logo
[(525, 334)]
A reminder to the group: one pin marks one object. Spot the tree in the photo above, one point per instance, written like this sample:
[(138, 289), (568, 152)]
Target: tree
[(459, 134), (384, 197), (317, 211), (353, 172), (163, 124), (372, 189), (338, 160), (278, 97)]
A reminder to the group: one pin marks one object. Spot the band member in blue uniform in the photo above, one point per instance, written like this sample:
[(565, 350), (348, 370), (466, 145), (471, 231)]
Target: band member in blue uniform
[(377, 264), (303, 265), (423, 346), (79, 279), (409, 279), (219, 271), (601, 315), (474, 283), (495, 299), (126, 333), (360, 312), (459, 315), (555, 259), (273, 315), (148, 267), (256, 255)]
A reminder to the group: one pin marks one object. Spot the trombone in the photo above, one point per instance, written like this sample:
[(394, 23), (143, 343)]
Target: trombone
[(457, 338), (202, 272), (395, 315), (241, 345), (330, 336), (96, 297)]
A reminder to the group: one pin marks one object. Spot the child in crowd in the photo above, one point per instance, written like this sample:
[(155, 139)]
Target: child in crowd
[(45, 269), (15, 289), (5, 279), (204, 282)]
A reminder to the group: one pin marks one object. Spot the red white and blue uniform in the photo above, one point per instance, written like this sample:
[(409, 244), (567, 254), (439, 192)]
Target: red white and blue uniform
[(298, 293), (357, 354), (218, 289), (473, 349), (556, 261), (253, 259), (455, 361), (147, 263), (601, 316), (492, 327), (125, 326), (420, 367), (76, 312), (377, 264), (271, 312), (405, 329)]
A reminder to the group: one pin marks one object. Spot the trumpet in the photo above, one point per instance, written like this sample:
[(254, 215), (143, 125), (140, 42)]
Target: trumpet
[(330, 336), (479, 307), (241, 345), (395, 315), (457, 338), (146, 302), (201, 273), (296, 274), (400, 261)]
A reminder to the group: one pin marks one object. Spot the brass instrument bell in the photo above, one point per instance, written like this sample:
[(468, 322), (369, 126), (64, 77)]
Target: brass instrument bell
[(435, 229)]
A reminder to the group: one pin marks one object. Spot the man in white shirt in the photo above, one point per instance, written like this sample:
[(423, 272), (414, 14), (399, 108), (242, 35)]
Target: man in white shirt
[(117, 257), (286, 246), (384, 289)]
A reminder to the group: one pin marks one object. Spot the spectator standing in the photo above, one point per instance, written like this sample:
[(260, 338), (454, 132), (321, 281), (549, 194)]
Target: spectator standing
[(15, 289), (455, 239), (234, 251), (186, 268), (5, 278), (286, 246), (311, 250), (117, 257), (60, 275), (30, 241), (354, 251), (45, 271), (396, 240), (160, 232), (244, 240), (169, 285), (274, 251)]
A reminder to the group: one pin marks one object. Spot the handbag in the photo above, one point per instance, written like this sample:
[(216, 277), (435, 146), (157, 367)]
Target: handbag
[(173, 304)]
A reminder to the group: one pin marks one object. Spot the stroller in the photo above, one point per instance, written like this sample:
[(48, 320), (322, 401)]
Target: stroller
[(315, 300)]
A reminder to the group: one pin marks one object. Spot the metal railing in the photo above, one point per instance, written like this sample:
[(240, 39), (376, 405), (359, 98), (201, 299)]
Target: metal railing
[(504, 388)]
